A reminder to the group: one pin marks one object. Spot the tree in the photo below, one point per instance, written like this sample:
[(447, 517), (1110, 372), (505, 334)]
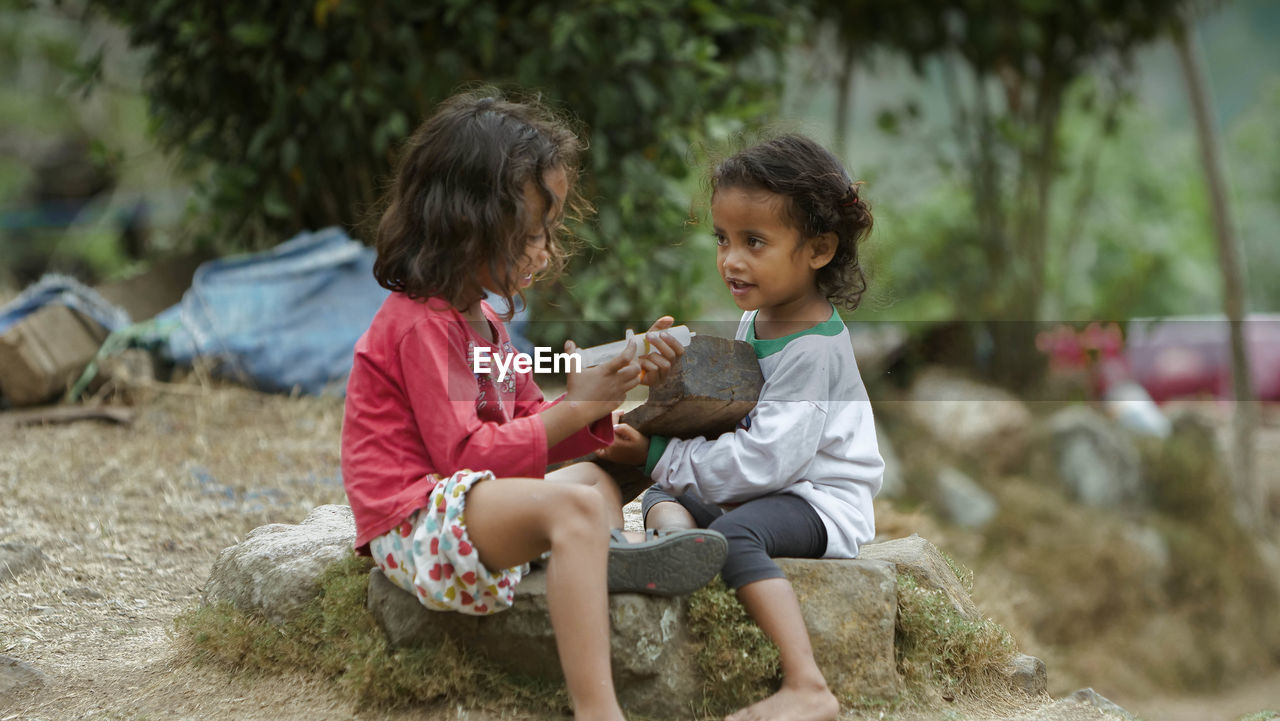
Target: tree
[(293, 112), (1251, 492), (1007, 69)]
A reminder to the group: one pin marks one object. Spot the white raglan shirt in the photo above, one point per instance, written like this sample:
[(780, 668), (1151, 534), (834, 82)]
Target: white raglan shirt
[(811, 434)]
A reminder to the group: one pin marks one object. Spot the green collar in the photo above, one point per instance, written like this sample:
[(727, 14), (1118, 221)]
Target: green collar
[(769, 346)]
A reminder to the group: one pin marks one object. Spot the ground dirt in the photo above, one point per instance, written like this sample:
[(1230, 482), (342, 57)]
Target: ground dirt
[(131, 518)]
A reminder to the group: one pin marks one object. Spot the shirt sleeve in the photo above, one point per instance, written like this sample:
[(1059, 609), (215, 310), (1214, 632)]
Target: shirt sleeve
[(529, 402), (774, 453), (443, 393)]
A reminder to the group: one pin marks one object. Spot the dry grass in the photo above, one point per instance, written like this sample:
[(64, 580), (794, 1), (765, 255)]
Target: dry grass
[(131, 518)]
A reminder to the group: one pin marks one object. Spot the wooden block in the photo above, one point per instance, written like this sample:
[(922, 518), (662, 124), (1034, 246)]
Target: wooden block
[(714, 384), (43, 353)]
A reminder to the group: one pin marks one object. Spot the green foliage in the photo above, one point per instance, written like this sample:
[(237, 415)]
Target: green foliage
[(739, 663), (1252, 150), (295, 111), (336, 638), (1007, 70)]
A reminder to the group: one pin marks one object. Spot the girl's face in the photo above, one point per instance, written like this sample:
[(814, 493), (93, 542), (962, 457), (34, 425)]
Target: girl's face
[(540, 218), (761, 257)]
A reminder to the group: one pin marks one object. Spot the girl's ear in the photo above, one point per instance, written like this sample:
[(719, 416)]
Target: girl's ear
[(822, 249)]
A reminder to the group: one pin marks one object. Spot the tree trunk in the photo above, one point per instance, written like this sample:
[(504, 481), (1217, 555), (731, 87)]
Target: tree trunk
[(844, 93), (1250, 491)]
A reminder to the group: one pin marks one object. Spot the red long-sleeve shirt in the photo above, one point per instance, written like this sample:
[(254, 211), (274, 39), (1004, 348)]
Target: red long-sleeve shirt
[(416, 409)]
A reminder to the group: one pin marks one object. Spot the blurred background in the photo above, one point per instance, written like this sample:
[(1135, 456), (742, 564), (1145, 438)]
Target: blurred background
[(1046, 178)]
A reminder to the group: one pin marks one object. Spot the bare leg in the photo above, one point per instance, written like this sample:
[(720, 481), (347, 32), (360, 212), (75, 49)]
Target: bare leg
[(804, 695), (589, 474), (668, 514), (514, 520)]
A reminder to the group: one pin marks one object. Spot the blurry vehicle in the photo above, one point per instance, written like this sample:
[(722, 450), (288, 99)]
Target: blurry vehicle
[(1185, 356)]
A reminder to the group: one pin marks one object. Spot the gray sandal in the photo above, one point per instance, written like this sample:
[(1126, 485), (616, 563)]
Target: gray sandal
[(670, 562)]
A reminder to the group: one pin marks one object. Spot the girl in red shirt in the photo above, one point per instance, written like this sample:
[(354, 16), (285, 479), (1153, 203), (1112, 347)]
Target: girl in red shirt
[(445, 464)]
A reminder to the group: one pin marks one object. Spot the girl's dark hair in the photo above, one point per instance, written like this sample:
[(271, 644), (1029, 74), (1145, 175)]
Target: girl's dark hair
[(819, 198), (457, 199)]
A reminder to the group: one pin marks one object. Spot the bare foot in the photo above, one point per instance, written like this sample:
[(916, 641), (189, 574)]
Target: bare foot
[(790, 703)]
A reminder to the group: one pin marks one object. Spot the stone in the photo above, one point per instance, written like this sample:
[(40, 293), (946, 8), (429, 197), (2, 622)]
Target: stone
[(1095, 460), (653, 653), (714, 384), (1089, 697), (962, 501), (82, 593), (922, 561), (850, 608), (968, 417), (18, 558), (1027, 674), (276, 569), (18, 678)]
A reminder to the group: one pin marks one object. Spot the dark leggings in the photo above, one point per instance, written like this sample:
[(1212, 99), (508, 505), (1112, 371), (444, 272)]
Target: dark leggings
[(780, 525)]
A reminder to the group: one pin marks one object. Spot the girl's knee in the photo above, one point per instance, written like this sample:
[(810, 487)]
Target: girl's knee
[(577, 508)]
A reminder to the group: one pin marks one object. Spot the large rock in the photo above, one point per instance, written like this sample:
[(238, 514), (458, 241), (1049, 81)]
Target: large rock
[(924, 563), (653, 653), (968, 417), (921, 560), (276, 569), (961, 500), (1096, 460), (850, 608)]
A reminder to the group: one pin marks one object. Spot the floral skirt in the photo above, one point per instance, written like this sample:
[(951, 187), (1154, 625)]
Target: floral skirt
[(431, 556)]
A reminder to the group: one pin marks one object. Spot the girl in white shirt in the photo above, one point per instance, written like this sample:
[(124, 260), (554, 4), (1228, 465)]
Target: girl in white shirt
[(796, 478)]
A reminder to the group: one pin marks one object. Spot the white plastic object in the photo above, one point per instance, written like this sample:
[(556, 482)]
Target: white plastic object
[(1131, 406), (597, 354)]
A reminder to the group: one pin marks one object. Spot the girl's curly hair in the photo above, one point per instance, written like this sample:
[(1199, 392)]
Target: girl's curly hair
[(819, 198), (456, 203)]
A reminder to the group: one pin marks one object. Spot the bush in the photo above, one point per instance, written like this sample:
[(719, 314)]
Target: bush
[(293, 113)]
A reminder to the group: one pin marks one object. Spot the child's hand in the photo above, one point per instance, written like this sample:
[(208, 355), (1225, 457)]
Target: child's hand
[(630, 447), (666, 351), (598, 390)]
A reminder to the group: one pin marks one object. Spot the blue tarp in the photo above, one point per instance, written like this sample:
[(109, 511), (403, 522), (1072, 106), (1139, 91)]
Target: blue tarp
[(64, 290), (283, 320)]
